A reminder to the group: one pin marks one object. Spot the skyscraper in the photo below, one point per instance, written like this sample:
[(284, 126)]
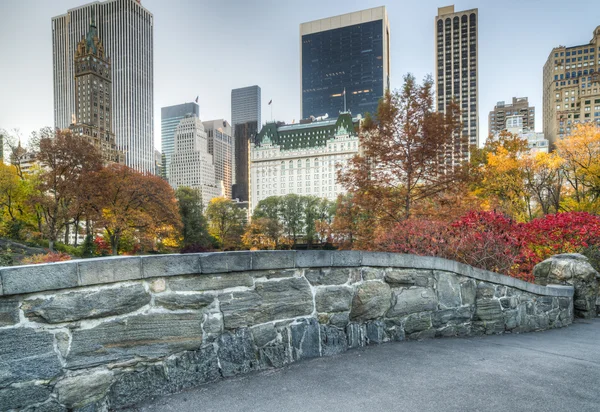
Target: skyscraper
[(344, 63), (126, 29), (571, 88), (220, 146), (245, 107), (191, 164), (244, 135), (170, 117), (93, 96), (456, 72), (519, 107)]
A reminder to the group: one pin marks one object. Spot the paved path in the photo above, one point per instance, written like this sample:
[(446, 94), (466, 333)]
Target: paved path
[(557, 370)]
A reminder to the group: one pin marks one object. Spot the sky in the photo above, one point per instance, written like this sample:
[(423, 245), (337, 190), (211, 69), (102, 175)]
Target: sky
[(206, 48)]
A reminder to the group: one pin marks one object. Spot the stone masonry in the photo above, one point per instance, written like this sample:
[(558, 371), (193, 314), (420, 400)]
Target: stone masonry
[(108, 333)]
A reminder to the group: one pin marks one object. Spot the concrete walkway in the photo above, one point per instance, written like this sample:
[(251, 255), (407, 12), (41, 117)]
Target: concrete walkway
[(557, 370)]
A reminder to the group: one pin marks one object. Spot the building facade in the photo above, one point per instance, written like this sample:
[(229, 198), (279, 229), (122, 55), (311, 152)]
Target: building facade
[(220, 146), (93, 96), (519, 107), (170, 117), (245, 107), (536, 142), (302, 158), (571, 88), (126, 30), (456, 74), (191, 164), (245, 133), (344, 63)]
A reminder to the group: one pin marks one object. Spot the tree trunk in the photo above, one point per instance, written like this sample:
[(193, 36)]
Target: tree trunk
[(67, 227), (51, 245)]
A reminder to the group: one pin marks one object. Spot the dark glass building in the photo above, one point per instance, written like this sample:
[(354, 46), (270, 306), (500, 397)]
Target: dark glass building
[(244, 133), (345, 63)]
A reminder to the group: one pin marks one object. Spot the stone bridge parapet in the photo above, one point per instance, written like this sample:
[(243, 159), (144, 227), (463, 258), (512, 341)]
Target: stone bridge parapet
[(107, 333)]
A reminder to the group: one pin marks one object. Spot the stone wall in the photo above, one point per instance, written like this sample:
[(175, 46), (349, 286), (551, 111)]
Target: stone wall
[(108, 333)]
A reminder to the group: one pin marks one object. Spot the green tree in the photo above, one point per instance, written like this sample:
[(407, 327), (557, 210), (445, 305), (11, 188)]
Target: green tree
[(225, 222), (195, 226)]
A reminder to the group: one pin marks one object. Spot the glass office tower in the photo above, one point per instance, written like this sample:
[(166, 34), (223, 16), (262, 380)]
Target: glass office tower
[(345, 63), (170, 117)]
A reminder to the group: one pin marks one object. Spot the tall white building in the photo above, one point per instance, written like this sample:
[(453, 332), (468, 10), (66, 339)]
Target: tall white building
[(302, 158), (536, 142), (191, 164), (126, 29), (456, 77), (220, 146)]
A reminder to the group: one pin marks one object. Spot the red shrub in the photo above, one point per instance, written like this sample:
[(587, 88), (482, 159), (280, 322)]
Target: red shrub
[(47, 258)]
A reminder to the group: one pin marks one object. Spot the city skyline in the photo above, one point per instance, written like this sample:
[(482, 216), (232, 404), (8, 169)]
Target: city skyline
[(276, 52)]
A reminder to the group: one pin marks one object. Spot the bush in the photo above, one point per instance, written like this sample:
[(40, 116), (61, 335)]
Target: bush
[(47, 258)]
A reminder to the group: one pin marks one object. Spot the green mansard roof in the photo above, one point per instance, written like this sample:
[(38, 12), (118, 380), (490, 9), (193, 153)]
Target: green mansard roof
[(305, 135)]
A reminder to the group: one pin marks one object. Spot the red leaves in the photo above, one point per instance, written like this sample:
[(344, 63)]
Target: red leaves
[(492, 241)]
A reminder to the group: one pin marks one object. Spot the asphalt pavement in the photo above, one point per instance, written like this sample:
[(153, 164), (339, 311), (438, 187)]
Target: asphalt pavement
[(557, 370)]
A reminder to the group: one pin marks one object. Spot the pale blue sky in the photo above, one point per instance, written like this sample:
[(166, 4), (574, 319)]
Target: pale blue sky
[(208, 47)]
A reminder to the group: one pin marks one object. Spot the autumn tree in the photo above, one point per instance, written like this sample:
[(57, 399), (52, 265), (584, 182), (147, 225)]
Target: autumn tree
[(127, 202), (195, 226), (14, 192), (543, 180), (264, 233), (580, 154), (225, 222), (65, 161), (405, 149)]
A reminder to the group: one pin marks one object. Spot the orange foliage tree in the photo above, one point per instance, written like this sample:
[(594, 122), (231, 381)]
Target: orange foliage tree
[(127, 201)]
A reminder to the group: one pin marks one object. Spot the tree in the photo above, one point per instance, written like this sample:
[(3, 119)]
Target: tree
[(131, 203), (13, 200), (404, 153), (352, 227), (269, 208), (65, 159), (264, 233), (194, 222), (544, 181), (292, 216), (225, 222), (580, 153)]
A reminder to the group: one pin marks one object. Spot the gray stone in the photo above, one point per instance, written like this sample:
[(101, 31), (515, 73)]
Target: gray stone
[(274, 356), (222, 262), (273, 259), (263, 334), (409, 277), (305, 339), (138, 385), (347, 258), (376, 332), (193, 368), (82, 389), (372, 273), (448, 290), (36, 278), (340, 319), (412, 300), (328, 276), (451, 316), (333, 298), (178, 301), (51, 405), (357, 335), (72, 306), (488, 310), (272, 300), (417, 322), (333, 340), (314, 258), (62, 343), (22, 396), (152, 335), (109, 270), (27, 355), (468, 291), (236, 353), (213, 323), (170, 265), (276, 273), (485, 290), (210, 282), (371, 301), (9, 311)]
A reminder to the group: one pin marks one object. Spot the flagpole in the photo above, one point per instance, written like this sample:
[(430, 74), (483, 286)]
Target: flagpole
[(344, 100)]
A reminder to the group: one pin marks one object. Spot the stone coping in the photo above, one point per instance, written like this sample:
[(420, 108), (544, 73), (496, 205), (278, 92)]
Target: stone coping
[(17, 280)]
